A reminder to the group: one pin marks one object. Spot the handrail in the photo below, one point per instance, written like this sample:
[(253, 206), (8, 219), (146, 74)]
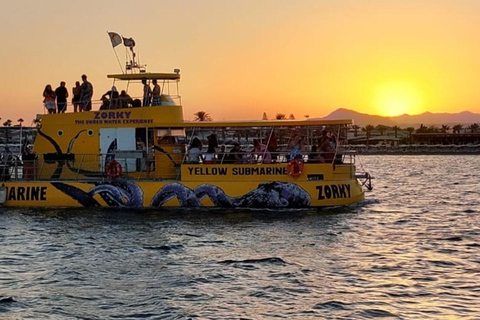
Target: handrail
[(92, 166)]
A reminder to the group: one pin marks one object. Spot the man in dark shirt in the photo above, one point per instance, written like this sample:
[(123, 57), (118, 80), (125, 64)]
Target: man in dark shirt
[(62, 95), (235, 155), (87, 94)]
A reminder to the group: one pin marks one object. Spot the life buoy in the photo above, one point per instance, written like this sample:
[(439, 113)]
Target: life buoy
[(114, 169), (295, 168)]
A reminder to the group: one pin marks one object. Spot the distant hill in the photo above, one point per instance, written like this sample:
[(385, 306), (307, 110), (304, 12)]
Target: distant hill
[(427, 118)]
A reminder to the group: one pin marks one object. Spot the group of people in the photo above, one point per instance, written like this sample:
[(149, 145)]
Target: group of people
[(112, 100), (323, 151), (151, 96), (56, 100), (260, 152)]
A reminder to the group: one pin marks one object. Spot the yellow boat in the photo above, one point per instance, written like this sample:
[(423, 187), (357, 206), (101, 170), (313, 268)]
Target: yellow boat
[(139, 157)]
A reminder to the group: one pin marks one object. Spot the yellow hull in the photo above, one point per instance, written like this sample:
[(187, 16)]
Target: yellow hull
[(150, 194)]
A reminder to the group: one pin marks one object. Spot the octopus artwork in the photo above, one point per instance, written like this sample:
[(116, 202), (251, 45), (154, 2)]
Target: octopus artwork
[(129, 194)]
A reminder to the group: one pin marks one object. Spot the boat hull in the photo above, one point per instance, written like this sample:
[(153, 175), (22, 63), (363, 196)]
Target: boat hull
[(156, 194)]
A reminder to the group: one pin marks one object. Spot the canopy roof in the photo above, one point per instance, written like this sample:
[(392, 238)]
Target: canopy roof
[(145, 75), (265, 123)]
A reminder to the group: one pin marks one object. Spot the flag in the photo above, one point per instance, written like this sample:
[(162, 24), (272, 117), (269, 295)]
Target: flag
[(128, 42), (115, 38)]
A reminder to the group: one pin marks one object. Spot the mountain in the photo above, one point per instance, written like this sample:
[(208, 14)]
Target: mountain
[(360, 119), (427, 118)]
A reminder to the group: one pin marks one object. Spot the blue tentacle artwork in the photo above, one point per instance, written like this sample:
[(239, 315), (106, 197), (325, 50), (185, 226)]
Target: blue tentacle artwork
[(115, 194), (268, 194), (129, 194)]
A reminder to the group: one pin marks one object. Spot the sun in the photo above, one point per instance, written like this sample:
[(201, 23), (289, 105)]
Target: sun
[(395, 98)]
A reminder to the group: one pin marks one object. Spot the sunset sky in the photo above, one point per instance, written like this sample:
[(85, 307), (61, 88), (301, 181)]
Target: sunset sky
[(241, 58)]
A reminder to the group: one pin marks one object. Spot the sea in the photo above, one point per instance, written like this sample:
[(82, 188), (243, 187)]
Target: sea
[(411, 250)]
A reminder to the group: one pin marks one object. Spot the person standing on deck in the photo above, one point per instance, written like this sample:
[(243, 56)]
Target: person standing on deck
[(147, 92), (87, 94), (77, 91), (62, 95), (49, 99), (156, 93)]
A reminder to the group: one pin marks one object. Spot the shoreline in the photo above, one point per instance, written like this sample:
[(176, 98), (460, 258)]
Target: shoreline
[(419, 153)]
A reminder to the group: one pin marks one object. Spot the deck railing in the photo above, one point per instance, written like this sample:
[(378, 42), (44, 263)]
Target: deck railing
[(135, 165)]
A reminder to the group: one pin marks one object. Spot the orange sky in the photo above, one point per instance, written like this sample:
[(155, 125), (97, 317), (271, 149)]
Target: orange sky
[(240, 58)]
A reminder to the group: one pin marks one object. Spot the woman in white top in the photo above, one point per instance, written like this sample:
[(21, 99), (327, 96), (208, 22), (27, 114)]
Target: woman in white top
[(195, 151)]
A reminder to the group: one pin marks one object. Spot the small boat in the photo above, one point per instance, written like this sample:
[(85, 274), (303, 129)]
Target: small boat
[(143, 157)]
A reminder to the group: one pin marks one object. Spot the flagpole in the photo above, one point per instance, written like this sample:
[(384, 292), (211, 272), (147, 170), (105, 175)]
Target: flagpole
[(118, 59)]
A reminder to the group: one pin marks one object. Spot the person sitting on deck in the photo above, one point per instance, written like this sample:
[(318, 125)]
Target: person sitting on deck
[(296, 147), (124, 99), (327, 153), (105, 104), (195, 151), (113, 96), (210, 155), (260, 150), (235, 155)]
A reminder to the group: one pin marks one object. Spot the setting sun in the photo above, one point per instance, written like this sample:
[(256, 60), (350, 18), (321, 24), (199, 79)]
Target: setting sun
[(396, 98)]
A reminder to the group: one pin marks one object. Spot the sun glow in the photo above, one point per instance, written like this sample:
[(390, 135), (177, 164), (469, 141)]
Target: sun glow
[(397, 98)]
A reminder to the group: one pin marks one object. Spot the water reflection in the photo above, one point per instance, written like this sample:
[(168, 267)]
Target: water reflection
[(409, 251)]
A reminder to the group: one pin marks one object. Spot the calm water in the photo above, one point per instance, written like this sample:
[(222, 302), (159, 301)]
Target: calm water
[(410, 251)]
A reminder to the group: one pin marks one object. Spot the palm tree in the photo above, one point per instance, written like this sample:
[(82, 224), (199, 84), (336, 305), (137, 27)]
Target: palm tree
[(7, 124), (280, 116), (410, 131), (396, 128), (368, 129), (355, 130), (473, 128), (291, 117), (202, 116), (457, 128), (422, 129), (445, 128), (381, 128)]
